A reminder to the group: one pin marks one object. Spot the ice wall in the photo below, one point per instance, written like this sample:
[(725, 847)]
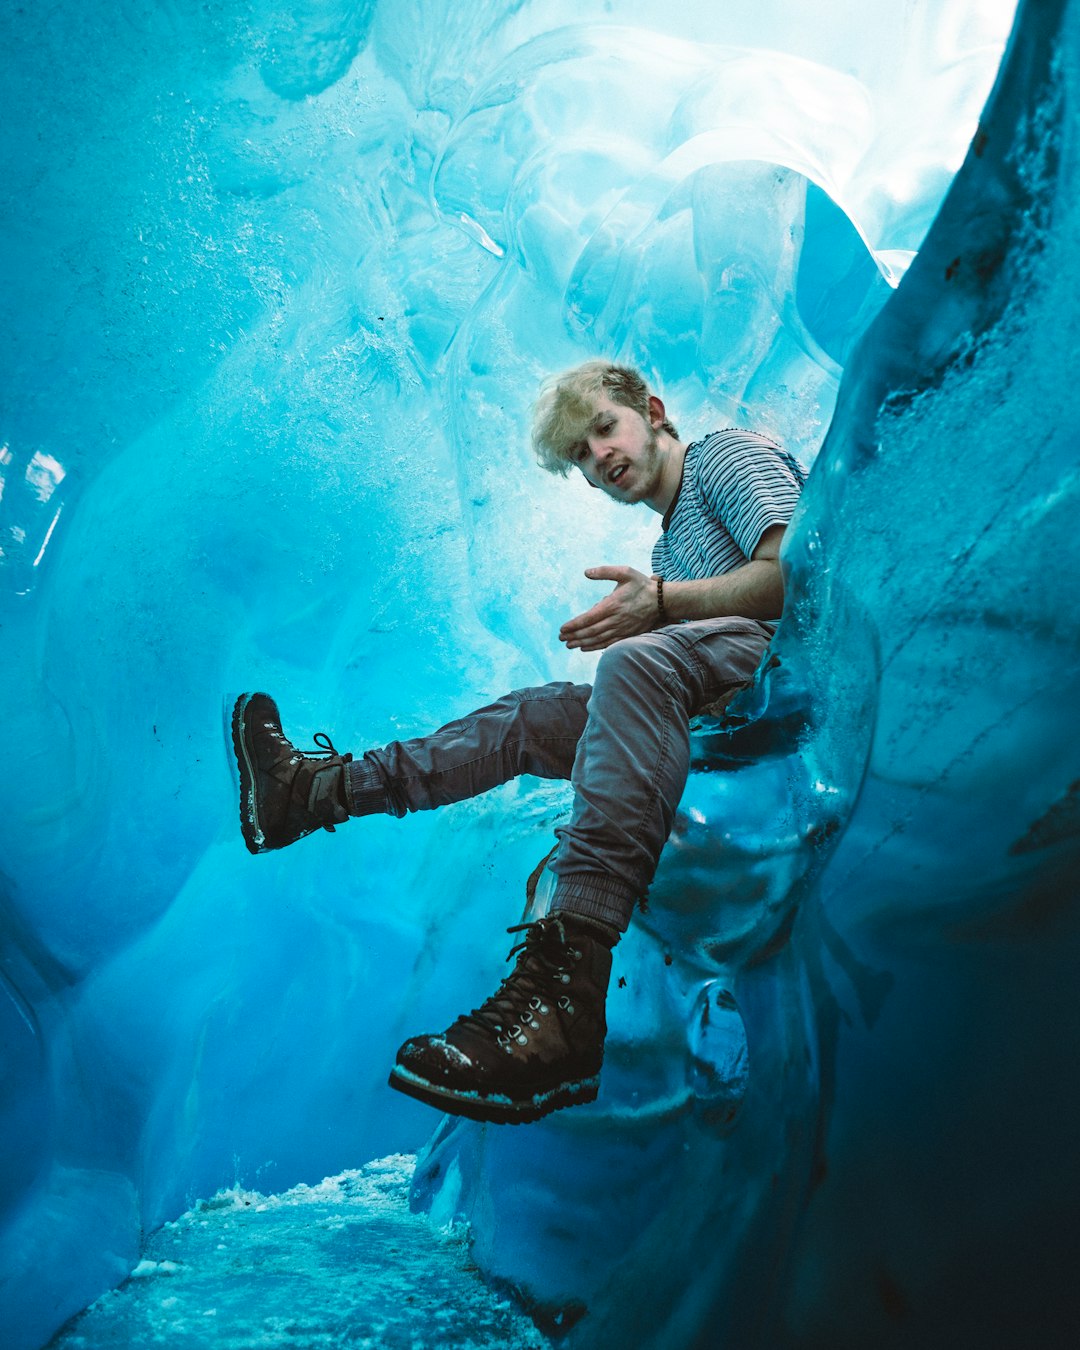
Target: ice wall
[(280, 286), (843, 1086)]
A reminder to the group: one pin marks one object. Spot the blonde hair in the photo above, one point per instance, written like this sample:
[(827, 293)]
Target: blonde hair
[(564, 410)]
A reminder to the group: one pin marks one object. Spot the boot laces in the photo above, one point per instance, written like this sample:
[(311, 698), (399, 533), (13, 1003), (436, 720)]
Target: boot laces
[(316, 789), (527, 992)]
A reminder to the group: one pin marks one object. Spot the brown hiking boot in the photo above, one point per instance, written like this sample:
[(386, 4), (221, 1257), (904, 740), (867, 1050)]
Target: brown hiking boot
[(285, 793), (536, 1045)]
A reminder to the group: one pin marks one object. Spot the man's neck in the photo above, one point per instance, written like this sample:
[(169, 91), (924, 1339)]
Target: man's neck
[(672, 453)]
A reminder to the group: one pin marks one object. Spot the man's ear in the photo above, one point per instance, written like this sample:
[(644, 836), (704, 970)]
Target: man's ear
[(657, 412)]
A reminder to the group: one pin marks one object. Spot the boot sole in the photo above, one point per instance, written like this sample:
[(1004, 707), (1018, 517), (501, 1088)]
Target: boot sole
[(491, 1110), (249, 813)]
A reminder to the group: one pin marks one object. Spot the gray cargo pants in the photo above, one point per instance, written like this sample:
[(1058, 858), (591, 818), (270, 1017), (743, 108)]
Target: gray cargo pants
[(623, 742)]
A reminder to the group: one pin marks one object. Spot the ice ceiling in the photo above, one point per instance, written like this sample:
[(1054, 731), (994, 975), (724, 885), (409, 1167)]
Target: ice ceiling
[(281, 283)]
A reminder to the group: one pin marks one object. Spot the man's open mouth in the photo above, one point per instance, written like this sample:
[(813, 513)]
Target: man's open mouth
[(616, 474)]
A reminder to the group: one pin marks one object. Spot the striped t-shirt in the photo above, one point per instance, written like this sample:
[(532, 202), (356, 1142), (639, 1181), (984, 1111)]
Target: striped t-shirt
[(735, 484)]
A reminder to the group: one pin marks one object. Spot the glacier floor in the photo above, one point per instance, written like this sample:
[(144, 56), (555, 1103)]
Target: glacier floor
[(343, 1263)]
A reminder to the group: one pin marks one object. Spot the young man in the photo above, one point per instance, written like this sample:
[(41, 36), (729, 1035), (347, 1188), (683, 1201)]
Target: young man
[(673, 644)]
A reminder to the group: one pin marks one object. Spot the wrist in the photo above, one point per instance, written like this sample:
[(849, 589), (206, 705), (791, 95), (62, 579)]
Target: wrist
[(662, 616)]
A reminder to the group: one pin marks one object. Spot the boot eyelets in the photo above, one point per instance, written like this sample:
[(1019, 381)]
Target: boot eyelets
[(503, 1061)]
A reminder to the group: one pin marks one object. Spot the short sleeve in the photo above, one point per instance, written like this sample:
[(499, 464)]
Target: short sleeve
[(749, 484)]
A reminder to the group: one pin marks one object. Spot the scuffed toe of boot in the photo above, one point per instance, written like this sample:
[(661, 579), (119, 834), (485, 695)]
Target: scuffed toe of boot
[(438, 1063)]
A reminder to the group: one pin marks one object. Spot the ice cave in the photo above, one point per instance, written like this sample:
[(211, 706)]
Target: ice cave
[(282, 282)]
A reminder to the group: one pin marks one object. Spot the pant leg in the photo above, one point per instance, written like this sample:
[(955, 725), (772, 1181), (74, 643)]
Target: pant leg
[(532, 731), (633, 758)]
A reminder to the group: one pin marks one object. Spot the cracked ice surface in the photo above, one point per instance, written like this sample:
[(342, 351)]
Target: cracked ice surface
[(280, 285)]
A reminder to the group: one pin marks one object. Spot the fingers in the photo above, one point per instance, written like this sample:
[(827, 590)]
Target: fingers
[(600, 627), (574, 628), (592, 640)]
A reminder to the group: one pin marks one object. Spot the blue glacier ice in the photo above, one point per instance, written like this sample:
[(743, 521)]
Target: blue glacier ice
[(281, 282)]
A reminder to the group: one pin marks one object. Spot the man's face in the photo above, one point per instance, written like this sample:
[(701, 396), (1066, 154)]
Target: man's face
[(620, 453)]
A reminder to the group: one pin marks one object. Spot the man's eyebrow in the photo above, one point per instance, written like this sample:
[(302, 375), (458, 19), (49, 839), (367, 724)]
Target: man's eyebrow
[(580, 443)]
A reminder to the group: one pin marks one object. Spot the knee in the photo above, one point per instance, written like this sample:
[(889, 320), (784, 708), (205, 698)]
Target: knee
[(643, 659), (550, 710)]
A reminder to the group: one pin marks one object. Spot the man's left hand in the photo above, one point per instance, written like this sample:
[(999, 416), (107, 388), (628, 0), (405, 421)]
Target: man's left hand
[(629, 609)]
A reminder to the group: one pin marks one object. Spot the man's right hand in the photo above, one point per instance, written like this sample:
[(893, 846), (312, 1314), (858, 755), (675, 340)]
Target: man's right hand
[(630, 609)]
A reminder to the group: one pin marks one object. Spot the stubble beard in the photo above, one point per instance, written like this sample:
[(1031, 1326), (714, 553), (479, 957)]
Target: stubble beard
[(648, 472)]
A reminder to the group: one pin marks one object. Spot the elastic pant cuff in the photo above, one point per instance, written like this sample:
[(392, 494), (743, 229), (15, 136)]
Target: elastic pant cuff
[(595, 895), (364, 791)]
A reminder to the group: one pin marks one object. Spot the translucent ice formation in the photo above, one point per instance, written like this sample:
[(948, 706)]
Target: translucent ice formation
[(280, 286), (874, 1044)]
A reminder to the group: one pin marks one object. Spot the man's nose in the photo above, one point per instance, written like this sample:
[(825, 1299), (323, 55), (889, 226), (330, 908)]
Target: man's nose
[(601, 450)]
